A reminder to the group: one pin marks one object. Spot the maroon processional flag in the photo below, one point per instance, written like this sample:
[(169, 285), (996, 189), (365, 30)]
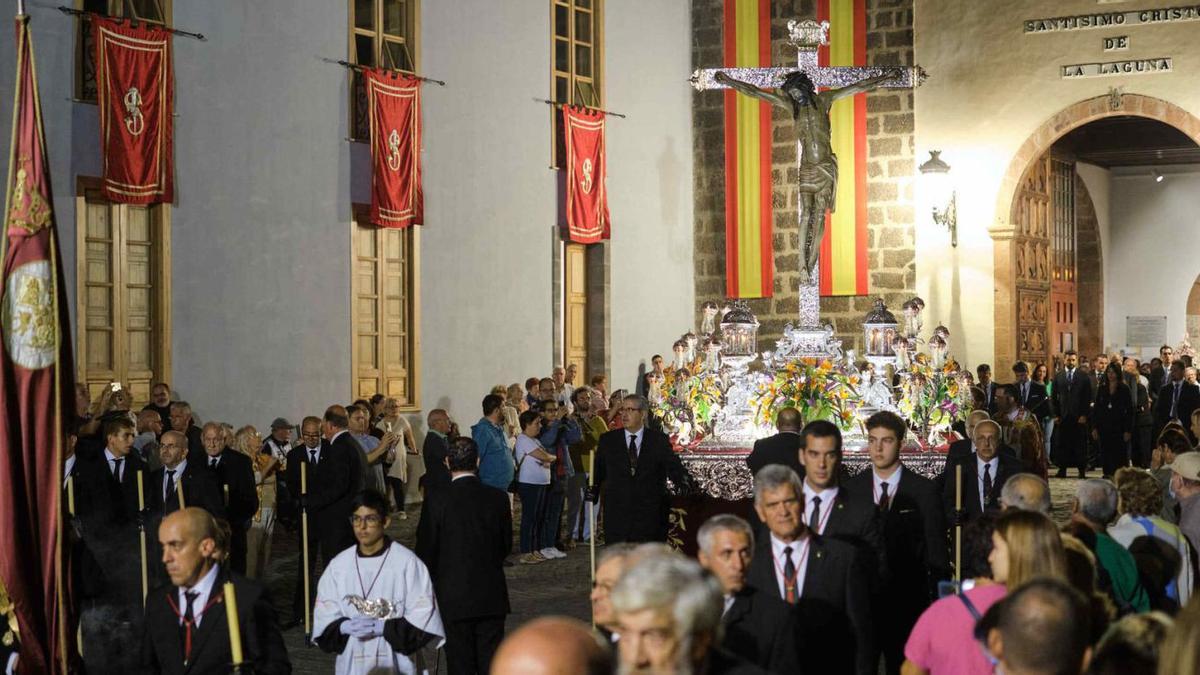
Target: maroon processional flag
[(394, 102), (36, 390), (587, 198), (135, 90)]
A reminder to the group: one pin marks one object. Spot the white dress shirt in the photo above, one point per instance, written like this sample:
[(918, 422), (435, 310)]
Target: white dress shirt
[(204, 587), (828, 496), (893, 483), (308, 452), (979, 464), (112, 459), (799, 557), (175, 479)]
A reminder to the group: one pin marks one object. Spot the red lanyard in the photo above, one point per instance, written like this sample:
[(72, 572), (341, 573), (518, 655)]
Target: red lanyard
[(789, 583), (213, 599)]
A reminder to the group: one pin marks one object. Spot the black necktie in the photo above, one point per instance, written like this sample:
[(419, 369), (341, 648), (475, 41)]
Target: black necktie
[(117, 468), (312, 457), (632, 453), (789, 577), (987, 483), (1024, 393), (1175, 400), (814, 520), (884, 500), (213, 462), (185, 630), (170, 485)]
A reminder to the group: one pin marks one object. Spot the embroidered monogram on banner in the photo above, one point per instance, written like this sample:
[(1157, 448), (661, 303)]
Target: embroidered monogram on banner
[(136, 94), (394, 100), (587, 198)]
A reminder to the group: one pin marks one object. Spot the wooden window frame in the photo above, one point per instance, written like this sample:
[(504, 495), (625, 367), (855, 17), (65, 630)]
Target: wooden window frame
[(410, 41), (162, 290), (575, 82), (83, 41), (412, 235)]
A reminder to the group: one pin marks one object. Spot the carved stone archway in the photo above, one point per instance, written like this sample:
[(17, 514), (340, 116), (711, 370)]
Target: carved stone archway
[(1011, 241)]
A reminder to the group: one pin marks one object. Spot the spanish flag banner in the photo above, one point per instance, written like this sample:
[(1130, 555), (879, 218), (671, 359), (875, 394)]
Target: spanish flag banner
[(749, 259), (844, 247)]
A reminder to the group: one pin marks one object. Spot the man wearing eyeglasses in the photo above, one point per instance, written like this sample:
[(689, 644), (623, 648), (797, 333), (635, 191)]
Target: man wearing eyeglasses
[(632, 467), (326, 535), (375, 605)]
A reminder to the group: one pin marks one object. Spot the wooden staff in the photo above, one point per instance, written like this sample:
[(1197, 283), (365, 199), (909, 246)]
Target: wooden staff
[(304, 547), (958, 525), (592, 507), (235, 630), (71, 495), (142, 534), (179, 493)]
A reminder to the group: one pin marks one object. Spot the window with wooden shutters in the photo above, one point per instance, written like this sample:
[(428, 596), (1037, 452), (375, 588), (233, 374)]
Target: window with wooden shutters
[(383, 286), (151, 11), (123, 294), (383, 34), (576, 61)]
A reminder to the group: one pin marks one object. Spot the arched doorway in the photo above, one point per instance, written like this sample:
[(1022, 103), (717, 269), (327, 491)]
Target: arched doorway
[(1048, 270), (1193, 311)]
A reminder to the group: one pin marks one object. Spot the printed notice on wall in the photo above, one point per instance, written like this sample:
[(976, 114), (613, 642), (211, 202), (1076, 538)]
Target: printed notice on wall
[(1145, 331)]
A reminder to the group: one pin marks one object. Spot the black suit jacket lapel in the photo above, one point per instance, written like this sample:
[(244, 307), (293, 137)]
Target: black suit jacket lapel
[(815, 573), (739, 609), (169, 635), (212, 621)]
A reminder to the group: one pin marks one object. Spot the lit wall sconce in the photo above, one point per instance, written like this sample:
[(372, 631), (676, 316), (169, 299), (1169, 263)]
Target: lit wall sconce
[(936, 176), (1158, 177)]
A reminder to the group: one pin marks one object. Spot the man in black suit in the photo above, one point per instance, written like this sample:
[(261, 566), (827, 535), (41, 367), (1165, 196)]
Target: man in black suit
[(186, 629), (632, 467), (1031, 395), (983, 475), (1161, 373), (1072, 406), (434, 451), (914, 534), (832, 511), (1176, 401), (339, 479), (178, 477), (782, 448), (234, 472), (964, 447), (759, 627), (464, 536), (825, 579), (106, 507), (988, 386), (326, 534)]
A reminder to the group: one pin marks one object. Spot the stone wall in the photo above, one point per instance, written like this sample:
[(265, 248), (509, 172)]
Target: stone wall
[(890, 170), (1089, 272)]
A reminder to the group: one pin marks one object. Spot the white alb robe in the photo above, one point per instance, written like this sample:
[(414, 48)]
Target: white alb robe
[(404, 582)]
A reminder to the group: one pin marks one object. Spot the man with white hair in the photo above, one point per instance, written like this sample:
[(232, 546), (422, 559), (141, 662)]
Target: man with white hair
[(1025, 492), (826, 579), (669, 619), (983, 472), (758, 627), (1095, 506)]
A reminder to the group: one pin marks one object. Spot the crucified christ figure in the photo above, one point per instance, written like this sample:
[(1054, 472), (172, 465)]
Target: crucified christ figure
[(818, 164)]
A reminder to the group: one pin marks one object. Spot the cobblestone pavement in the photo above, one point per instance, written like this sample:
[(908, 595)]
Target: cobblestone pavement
[(554, 587)]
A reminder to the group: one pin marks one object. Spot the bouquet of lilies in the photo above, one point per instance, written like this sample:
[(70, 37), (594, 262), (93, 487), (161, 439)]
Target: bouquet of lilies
[(819, 389), (932, 398), (687, 404)]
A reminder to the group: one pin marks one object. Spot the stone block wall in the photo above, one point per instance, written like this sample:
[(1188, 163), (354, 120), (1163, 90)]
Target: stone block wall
[(890, 172)]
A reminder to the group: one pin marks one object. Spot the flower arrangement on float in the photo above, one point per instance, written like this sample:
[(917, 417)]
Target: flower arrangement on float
[(933, 397), (819, 389), (687, 401)]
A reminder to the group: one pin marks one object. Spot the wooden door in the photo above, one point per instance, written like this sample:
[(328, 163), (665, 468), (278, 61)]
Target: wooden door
[(123, 295), (384, 311), (575, 347), (1031, 243)]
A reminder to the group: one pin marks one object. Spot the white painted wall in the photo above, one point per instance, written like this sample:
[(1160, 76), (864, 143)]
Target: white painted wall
[(990, 87), (1153, 229)]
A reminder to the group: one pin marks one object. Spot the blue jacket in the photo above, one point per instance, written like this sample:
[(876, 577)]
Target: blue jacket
[(571, 433), (495, 459)]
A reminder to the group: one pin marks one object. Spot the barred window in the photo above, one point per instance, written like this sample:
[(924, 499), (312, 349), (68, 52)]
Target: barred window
[(576, 63), (151, 11)]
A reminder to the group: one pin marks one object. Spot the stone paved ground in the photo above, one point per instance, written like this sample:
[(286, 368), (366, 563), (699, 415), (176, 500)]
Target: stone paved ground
[(555, 587)]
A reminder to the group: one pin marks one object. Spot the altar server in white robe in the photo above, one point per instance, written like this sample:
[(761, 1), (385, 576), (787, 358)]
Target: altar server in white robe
[(375, 604)]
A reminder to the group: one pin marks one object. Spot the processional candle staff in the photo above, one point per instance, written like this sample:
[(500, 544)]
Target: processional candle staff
[(235, 630), (304, 552), (141, 521)]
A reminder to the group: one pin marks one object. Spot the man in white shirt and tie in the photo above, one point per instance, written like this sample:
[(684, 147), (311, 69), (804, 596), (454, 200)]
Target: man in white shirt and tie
[(1176, 401)]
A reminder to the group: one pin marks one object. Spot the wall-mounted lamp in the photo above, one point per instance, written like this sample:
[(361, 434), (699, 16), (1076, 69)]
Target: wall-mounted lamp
[(1158, 177), (936, 176)]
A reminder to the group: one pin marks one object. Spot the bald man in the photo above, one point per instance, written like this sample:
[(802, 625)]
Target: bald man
[(184, 615), (1025, 492), (553, 645), (782, 448)]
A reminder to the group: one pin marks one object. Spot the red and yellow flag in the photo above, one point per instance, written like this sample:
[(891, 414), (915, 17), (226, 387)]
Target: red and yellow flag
[(844, 247), (749, 258), (36, 390)]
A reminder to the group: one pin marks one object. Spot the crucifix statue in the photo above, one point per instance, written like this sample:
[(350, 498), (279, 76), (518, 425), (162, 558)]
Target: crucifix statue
[(795, 90)]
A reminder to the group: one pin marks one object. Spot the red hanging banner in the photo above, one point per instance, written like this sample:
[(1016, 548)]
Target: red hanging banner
[(135, 89), (394, 101), (587, 198)]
